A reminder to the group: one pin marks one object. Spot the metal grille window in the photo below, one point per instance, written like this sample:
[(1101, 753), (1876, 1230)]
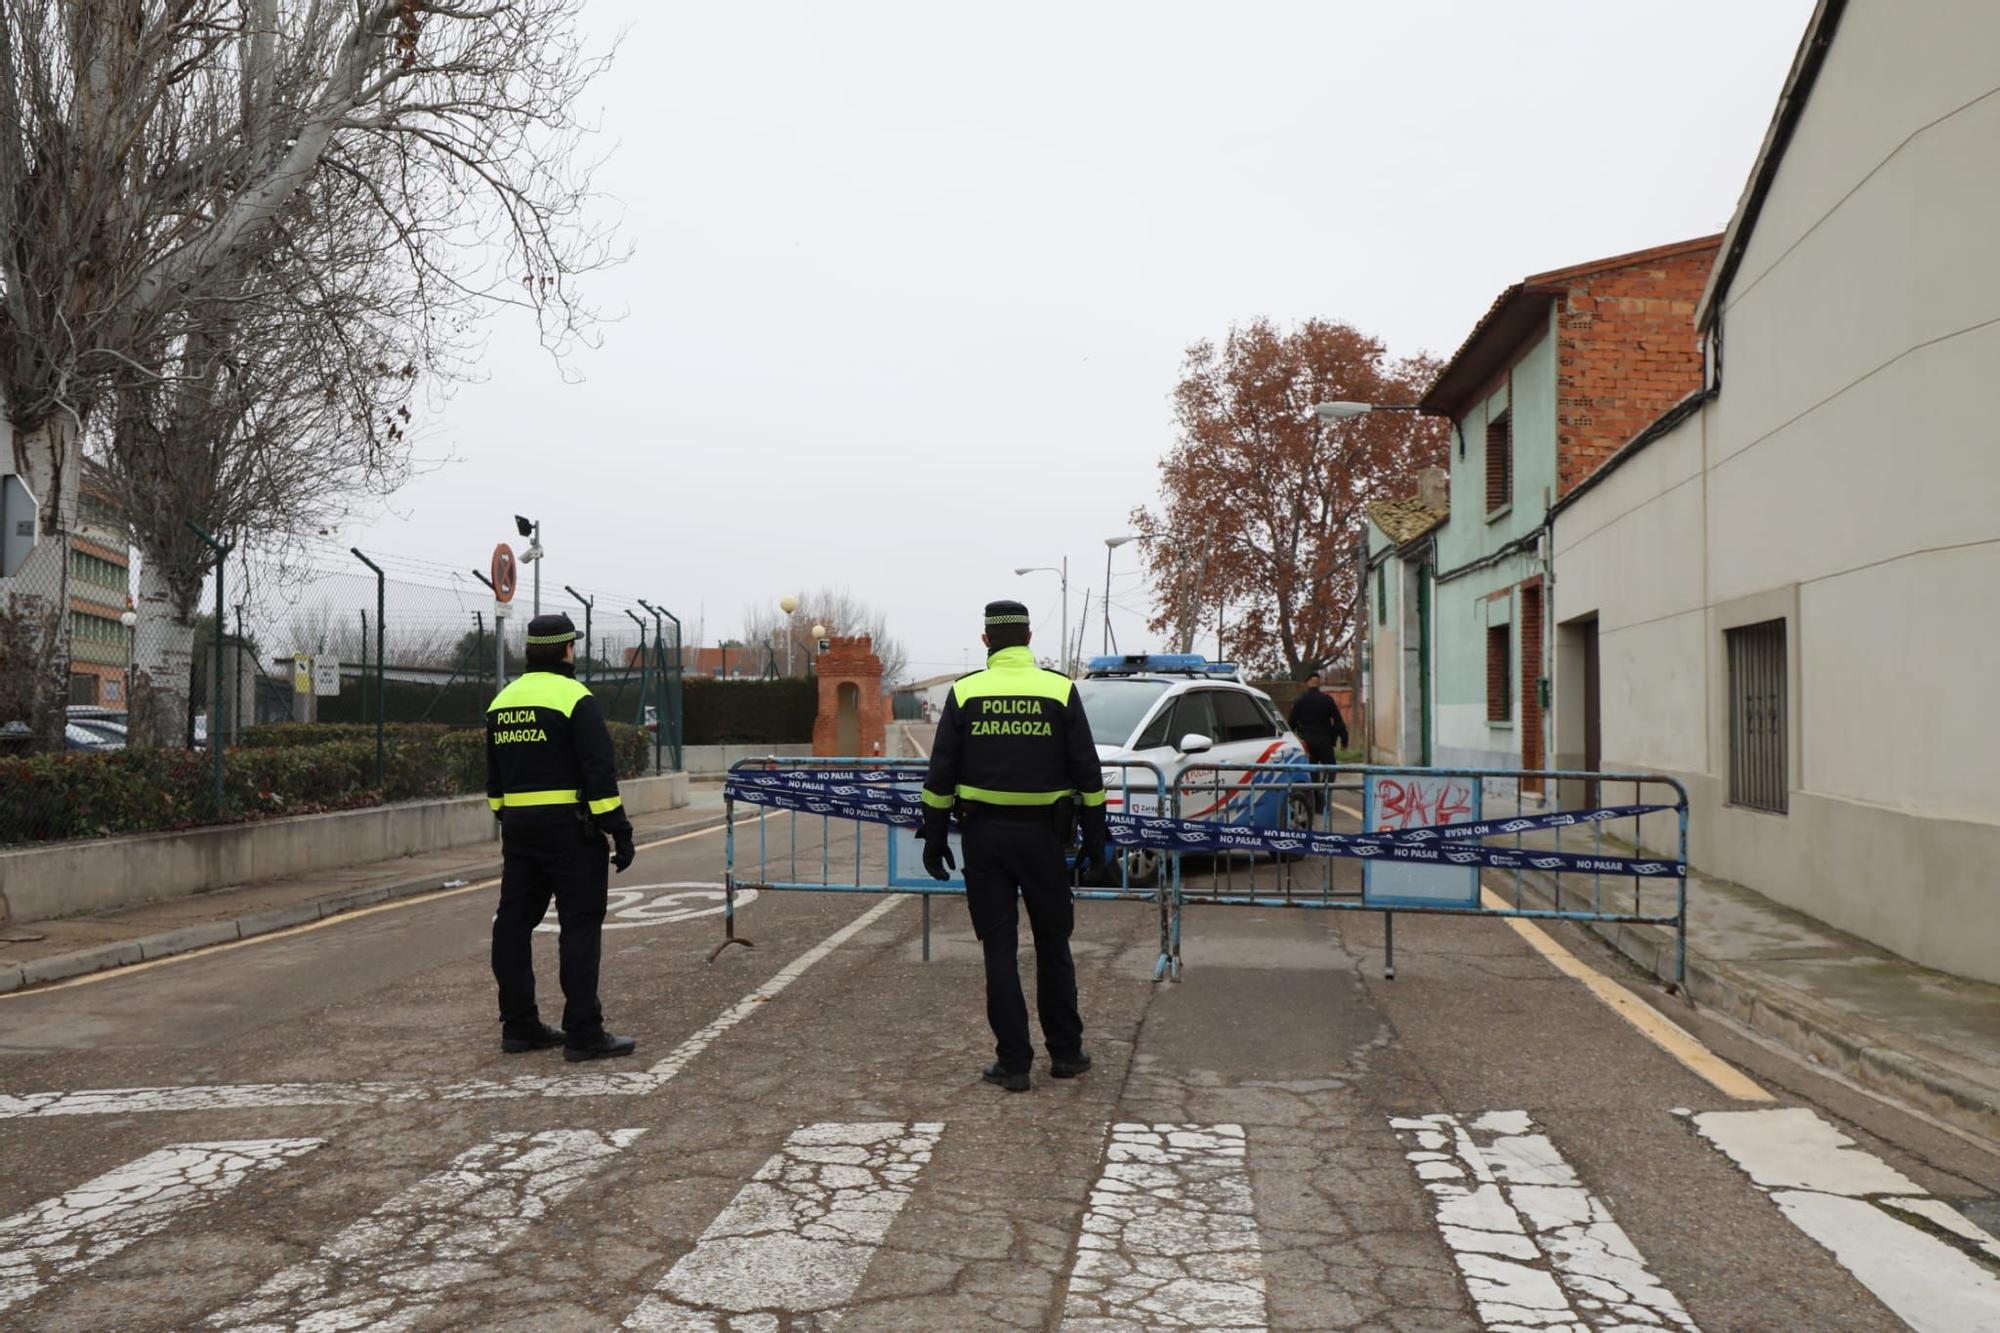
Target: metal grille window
[(1757, 716), (1499, 462), (1499, 658), (1381, 594)]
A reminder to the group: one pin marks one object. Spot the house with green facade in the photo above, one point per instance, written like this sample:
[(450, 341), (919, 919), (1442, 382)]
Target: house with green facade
[(1562, 370)]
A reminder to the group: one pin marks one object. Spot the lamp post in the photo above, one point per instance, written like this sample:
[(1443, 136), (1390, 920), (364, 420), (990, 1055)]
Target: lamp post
[(788, 604), (1064, 574), (531, 528), (818, 633), (1110, 544), (129, 619)]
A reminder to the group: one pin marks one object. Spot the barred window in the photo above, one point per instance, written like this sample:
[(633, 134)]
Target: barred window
[(1499, 662), (1757, 776)]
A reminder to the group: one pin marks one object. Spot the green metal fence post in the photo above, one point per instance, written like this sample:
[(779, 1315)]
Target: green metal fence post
[(588, 603), (659, 685), (381, 677), (673, 690), (215, 686), (643, 676)]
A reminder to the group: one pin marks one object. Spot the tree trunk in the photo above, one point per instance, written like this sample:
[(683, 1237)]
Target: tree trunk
[(163, 661), (46, 458)]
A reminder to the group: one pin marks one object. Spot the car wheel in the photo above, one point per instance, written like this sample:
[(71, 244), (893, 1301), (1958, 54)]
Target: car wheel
[(1142, 868), (1301, 812)]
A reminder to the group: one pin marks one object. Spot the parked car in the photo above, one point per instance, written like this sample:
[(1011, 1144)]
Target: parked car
[(1174, 710)]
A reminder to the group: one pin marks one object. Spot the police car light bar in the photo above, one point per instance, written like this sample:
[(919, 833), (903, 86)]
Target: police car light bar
[(1160, 664)]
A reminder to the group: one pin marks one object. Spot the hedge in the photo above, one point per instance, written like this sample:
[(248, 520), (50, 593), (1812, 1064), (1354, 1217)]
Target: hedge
[(282, 770), (748, 712)]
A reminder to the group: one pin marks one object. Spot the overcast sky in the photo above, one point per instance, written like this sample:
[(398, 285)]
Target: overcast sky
[(911, 283)]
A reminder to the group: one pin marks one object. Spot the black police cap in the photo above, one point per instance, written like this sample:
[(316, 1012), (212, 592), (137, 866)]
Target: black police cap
[(1005, 613), (553, 628)]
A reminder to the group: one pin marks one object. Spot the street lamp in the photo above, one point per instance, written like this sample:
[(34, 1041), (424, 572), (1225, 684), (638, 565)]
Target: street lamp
[(819, 637), (531, 528), (1110, 544), (1064, 573)]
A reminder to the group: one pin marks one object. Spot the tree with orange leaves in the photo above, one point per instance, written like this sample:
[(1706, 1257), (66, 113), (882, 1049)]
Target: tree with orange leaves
[(1262, 503)]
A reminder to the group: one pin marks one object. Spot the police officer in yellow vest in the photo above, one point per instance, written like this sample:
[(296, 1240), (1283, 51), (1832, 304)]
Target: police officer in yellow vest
[(1014, 758), (552, 780)]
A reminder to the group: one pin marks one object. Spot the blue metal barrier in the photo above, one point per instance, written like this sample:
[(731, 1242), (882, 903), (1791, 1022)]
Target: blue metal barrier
[(1425, 843), (863, 794)]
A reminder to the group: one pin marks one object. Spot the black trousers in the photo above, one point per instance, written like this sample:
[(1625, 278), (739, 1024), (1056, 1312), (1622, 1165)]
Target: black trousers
[(544, 856), (1319, 746), (1005, 856)]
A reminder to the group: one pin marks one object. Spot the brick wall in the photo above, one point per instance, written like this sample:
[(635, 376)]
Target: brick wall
[(1626, 352)]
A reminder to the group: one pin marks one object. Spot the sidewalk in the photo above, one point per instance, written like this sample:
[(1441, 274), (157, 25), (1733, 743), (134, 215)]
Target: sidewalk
[(44, 951), (1924, 1037)]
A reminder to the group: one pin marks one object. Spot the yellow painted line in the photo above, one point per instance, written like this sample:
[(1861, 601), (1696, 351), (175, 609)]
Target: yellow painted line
[(1656, 1027), (338, 919)]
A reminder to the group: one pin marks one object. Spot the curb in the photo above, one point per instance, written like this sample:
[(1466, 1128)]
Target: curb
[(207, 934), (1793, 1022)]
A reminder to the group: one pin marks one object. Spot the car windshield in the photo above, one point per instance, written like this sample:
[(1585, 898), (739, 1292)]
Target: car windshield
[(1115, 706)]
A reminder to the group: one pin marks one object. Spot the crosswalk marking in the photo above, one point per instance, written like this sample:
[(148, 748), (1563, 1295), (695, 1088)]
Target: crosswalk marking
[(596, 1083), (1536, 1249), (66, 1234), (1170, 1240), (387, 1270), (1857, 1207), (792, 1247)]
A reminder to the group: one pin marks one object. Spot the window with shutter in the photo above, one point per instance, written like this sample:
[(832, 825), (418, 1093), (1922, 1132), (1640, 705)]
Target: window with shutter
[(1499, 462)]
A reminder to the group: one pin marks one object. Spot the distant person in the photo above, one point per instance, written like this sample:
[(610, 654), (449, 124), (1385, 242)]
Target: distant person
[(552, 780), (1014, 756), (1316, 720)]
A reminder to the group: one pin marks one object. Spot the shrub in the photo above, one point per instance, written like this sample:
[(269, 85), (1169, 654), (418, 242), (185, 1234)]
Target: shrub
[(278, 770), (748, 712)]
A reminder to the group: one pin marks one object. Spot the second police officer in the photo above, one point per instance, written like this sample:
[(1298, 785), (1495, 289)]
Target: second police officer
[(552, 780), (1014, 757)]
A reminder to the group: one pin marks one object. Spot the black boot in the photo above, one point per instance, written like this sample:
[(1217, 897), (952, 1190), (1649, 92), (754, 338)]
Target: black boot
[(538, 1037), (1013, 1081), (603, 1046), (1068, 1066)]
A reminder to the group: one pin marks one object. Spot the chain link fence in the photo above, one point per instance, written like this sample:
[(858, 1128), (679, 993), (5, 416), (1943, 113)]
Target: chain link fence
[(121, 711)]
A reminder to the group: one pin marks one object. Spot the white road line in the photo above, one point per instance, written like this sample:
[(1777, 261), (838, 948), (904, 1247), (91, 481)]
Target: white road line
[(1857, 1206), (598, 1083), (392, 1267), (66, 1234), (749, 1004), (1170, 1240), (1536, 1249), (792, 1247)]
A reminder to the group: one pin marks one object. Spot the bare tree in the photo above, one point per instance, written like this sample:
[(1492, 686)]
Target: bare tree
[(841, 612), (152, 152)]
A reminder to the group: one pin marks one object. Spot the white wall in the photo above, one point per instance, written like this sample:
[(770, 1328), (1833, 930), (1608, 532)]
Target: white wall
[(1847, 479)]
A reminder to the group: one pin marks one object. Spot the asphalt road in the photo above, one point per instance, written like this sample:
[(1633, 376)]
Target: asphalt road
[(317, 1130)]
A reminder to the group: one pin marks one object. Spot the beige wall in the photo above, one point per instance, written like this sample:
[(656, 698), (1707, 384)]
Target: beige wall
[(1844, 478)]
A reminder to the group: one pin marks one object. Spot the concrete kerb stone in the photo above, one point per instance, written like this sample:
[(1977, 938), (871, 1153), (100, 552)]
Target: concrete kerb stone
[(58, 966), (186, 939)]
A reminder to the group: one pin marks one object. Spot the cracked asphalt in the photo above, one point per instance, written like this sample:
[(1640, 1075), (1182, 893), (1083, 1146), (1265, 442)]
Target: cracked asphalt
[(1282, 1139)]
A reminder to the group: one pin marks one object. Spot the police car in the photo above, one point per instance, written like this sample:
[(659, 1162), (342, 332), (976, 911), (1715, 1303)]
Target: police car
[(1174, 710)]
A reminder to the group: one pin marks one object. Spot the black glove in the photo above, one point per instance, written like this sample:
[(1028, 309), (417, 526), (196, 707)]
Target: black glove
[(622, 850), (1095, 839), (936, 833)]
